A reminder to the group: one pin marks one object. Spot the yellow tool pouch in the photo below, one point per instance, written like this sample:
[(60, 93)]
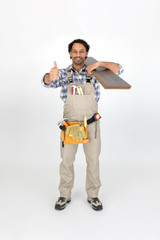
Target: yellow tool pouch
[(75, 133)]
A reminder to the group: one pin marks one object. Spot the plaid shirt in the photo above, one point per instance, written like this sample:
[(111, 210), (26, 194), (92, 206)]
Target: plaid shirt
[(78, 78)]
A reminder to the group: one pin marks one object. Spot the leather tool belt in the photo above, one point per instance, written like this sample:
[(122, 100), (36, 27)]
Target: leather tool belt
[(74, 133)]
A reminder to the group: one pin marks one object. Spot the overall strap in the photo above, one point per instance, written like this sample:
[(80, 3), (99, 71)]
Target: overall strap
[(69, 76)]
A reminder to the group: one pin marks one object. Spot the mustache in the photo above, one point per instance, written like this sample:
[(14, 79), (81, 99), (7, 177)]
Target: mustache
[(75, 57)]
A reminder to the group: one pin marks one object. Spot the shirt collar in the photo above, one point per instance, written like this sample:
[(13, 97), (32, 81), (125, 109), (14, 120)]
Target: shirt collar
[(71, 69)]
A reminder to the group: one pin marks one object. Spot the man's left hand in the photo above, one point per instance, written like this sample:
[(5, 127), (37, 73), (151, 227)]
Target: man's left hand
[(91, 67)]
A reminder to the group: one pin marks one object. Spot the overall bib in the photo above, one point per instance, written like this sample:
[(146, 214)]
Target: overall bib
[(75, 108)]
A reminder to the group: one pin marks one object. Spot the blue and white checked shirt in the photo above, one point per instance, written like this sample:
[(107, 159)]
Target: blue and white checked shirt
[(78, 78)]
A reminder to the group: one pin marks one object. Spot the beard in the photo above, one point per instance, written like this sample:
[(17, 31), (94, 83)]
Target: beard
[(78, 61)]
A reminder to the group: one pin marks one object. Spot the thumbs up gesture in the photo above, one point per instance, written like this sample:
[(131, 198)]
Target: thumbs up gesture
[(54, 72)]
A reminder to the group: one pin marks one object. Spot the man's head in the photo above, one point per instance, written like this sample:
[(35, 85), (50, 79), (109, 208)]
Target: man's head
[(84, 43), (78, 51)]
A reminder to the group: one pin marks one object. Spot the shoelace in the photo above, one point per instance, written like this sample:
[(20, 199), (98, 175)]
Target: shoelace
[(62, 199), (95, 199)]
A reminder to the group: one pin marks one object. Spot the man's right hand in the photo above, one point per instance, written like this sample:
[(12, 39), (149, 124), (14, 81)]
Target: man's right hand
[(53, 75), (54, 72)]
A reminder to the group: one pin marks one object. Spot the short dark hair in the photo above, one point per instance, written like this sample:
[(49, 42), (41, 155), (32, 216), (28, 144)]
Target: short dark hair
[(85, 44)]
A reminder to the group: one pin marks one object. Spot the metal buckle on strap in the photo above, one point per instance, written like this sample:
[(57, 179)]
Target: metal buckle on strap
[(70, 80), (69, 77), (89, 78)]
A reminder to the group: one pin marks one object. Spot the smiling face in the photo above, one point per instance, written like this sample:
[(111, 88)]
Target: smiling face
[(78, 54)]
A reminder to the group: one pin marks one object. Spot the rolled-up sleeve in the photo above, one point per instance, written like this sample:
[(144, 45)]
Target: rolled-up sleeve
[(121, 70)]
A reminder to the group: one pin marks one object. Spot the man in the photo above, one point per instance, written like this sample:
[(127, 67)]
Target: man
[(77, 107)]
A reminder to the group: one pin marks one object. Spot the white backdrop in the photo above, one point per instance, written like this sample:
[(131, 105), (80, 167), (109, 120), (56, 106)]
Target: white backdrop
[(33, 35)]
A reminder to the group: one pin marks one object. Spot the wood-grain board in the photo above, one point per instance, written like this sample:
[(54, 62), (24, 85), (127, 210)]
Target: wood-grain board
[(107, 78)]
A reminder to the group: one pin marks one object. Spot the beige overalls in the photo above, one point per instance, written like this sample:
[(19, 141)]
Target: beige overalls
[(75, 108)]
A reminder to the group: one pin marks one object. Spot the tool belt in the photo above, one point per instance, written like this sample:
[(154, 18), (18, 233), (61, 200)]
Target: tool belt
[(76, 132)]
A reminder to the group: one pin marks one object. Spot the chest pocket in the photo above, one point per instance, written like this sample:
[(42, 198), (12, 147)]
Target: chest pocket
[(80, 100)]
